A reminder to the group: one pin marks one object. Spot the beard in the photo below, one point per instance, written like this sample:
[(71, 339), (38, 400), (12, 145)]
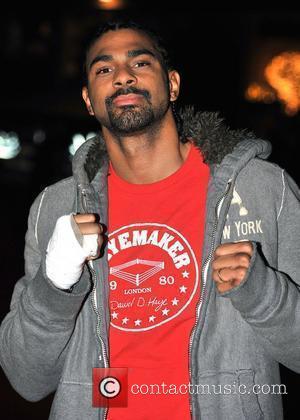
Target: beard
[(131, 119)]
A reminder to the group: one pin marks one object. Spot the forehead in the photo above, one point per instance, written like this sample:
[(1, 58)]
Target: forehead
[(118, 42)]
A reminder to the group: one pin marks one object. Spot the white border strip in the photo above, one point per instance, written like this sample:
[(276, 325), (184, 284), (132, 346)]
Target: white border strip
[(283, 194), (38, 215)]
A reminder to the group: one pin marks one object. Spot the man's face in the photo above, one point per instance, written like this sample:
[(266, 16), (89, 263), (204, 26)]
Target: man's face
[(127, 89)]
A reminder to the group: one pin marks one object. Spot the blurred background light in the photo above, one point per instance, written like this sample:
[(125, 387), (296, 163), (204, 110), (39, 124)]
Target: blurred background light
[(281, 82), (9, 145), (111, 4), (283, 74), (77, 140), (39, 136), (258, 93)]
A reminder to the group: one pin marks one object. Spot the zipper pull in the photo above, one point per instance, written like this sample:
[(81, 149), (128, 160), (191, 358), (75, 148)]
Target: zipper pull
[(84, 203)]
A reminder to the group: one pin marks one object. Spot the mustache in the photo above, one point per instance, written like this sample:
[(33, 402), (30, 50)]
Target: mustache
[(126, 91)]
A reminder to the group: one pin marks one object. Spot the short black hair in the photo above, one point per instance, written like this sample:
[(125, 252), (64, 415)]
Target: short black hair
[(158, 43)]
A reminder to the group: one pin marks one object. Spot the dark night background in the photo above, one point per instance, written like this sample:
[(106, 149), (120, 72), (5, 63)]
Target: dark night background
[(217, 51)]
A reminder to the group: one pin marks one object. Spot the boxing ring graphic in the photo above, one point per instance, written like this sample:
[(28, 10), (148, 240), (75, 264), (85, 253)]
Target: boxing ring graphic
[(139, 278)]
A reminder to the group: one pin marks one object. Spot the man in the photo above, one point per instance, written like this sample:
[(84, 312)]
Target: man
[(191, 241)]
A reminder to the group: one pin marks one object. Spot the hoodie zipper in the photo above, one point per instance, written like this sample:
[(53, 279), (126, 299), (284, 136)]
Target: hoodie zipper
[(204, 272), (103, 356)]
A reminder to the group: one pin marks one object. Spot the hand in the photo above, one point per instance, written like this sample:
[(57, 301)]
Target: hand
[(75, 240), (88, 225), (230, 264)]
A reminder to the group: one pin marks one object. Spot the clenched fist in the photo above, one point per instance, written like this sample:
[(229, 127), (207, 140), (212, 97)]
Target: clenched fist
[(75, 239), (230, 264), (91, 231)]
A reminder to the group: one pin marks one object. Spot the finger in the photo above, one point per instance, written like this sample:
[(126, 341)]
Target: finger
[(234, 248), (100, 241), (225, 287), (232, 260), (85, 218), (226, 275), (90, 228)]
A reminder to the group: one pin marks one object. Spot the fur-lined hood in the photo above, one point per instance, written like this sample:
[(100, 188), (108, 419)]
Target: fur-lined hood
[(207, 129)]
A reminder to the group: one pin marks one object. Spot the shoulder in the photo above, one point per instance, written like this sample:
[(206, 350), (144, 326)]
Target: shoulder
[(54, 201), (58, 193), (262, 176), (63, 188), (262, 184)]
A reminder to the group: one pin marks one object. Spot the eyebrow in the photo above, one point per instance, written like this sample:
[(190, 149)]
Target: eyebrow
[(130, 53), (141, 51)]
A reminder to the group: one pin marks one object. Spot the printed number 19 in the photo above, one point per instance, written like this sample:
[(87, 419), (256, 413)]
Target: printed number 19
[(163, 280)]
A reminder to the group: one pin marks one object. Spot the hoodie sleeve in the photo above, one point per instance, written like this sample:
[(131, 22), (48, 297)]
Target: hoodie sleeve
[(35, 333), (269, 299)]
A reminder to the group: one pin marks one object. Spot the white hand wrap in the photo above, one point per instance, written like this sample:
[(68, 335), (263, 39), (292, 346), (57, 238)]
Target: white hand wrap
[(67, 251)]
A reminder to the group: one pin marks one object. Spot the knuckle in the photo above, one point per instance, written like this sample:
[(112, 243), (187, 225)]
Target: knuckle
[(241, 273), (214, 265), (243, 259), (90, 217), (218, 250), (248, 247), (98, 228)]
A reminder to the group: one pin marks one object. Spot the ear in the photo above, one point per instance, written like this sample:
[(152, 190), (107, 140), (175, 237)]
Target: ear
[(174, 84), (86, 98)]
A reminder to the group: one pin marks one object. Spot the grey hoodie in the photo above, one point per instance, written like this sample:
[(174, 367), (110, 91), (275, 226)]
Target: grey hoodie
[(50, 340)]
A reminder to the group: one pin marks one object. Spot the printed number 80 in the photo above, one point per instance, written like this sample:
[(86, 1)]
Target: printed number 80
[(163, 280)]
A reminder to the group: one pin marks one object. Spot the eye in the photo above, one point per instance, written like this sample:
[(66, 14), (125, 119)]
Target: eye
[(103, 70), (142, 64)]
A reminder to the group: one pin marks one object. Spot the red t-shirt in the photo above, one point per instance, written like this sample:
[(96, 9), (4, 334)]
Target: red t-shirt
[(155, 237)]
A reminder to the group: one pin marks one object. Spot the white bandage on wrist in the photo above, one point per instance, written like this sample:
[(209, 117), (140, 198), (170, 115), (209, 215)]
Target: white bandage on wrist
[(67, 251), (90, 244)]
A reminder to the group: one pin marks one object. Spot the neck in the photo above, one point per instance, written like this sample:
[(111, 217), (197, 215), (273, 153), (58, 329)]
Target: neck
[(147, 157)]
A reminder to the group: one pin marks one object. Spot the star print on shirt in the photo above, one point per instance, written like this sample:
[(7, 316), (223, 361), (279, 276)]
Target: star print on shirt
[(114, 315), (185, 274), (183, 289), (152, 318), (175, 301), (125, 320), (137, 322)]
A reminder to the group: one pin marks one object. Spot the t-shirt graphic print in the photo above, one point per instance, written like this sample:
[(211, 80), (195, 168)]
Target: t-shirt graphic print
[(153, 276)]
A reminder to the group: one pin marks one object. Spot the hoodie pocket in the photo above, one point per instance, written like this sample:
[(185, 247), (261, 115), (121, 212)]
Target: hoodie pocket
[(227, 395)]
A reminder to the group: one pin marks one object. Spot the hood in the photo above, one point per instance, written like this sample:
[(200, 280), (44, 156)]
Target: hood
[(208, 132)]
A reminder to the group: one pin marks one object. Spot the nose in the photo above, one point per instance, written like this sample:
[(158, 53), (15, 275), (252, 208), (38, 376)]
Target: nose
[(123, 77)]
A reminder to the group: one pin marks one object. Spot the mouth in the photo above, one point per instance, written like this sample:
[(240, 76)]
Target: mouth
[(129, 99)]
